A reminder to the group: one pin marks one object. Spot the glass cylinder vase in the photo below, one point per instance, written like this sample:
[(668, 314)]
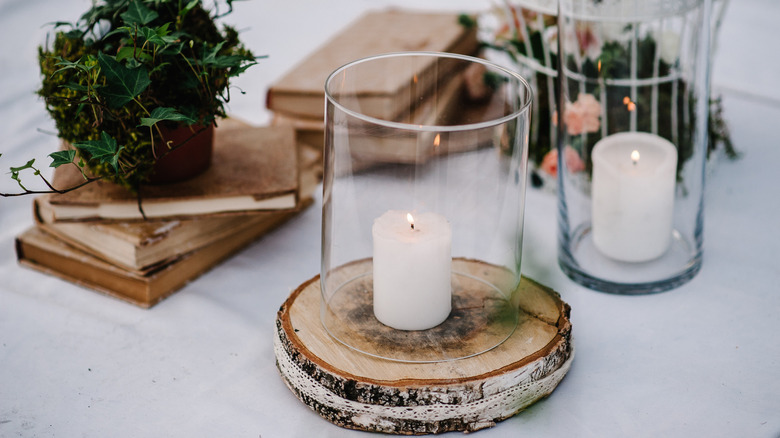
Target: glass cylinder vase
[(632, 141), (423, 198)]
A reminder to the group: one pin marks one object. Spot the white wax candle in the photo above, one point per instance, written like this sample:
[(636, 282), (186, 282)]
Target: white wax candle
[(634, 176), (412, 267)]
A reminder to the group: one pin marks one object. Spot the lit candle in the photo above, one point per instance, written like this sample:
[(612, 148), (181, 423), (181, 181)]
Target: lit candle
[(412, 266), (634, 176)]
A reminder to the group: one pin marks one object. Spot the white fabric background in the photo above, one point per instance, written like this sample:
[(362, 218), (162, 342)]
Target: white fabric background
[(701, 360)]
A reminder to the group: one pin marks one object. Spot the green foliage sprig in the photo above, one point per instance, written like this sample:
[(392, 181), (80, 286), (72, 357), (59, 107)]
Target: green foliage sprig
[(126, 69)]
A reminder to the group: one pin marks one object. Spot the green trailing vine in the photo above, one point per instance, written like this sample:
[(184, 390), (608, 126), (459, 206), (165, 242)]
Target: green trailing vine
[(126, 69)]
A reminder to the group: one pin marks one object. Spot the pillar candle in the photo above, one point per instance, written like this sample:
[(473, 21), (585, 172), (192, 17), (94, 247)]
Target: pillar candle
[(412, 267), (634, 175)]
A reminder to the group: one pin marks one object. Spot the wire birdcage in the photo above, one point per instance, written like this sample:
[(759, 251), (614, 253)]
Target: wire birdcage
[(526, 33)]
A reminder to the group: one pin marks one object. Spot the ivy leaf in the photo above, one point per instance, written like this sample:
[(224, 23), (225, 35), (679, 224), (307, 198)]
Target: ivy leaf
[(211, 58), (243, 67), (125, 30), (159, 36), (162, 113), (104, 150), (62, 157), (81, 64), (123, 84), (132, 63), (137, 13), (151, 36), (132, 52), (15, 172), (163, 30), (126, 52), (227, 61), (189, 7), (74, 34)]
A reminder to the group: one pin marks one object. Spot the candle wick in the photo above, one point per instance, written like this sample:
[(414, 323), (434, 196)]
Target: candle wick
[(412, 226)]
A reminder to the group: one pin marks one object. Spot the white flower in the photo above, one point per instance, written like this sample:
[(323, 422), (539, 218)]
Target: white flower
[(615, 32), (669, 45), (582, 40), (551, 39), (589, 40)]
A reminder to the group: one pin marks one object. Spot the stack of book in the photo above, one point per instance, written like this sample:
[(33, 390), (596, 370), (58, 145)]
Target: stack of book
[(96, 236), (297, 98)]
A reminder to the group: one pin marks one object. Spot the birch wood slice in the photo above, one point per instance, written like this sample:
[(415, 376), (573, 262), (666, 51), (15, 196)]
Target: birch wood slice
[(358, 391)]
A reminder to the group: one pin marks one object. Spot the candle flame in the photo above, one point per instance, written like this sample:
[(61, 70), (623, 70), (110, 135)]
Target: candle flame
[(410, 219), (635, 156), (599, 68), (437, 140)]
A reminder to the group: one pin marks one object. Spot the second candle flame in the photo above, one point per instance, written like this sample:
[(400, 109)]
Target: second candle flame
[(410, 219), (635, 156)]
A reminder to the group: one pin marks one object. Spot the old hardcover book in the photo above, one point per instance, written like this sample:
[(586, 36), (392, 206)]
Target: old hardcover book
[(300, 91), (42, 251), (308, 131), (253, 169), (447, 105), (142, 246), (437, 109)]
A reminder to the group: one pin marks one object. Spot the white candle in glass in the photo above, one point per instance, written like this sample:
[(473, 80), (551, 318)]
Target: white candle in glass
[(412, 267), (634, 175)]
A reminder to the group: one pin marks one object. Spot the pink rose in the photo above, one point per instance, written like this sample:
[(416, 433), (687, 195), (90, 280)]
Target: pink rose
[(571, 159), (550, 162), (582, 115), (512, 18), (590, 106)]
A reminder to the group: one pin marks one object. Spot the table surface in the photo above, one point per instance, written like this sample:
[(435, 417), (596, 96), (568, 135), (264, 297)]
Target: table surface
[(701, 360)]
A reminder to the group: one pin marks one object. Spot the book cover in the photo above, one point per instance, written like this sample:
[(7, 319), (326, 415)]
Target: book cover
[(447, 105), (253, 169), (41, 251), (141, 246), (300, 91)]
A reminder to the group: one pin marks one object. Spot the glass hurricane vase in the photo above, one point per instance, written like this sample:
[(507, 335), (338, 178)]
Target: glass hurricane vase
[(423, 198)]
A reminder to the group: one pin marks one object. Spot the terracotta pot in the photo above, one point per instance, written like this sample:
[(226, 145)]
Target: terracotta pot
[(190, 159)]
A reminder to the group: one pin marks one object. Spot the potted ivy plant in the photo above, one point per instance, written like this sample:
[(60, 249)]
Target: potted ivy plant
[(135, 83)]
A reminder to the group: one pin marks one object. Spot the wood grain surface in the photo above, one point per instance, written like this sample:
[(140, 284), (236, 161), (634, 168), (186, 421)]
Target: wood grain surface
[(359, 391)]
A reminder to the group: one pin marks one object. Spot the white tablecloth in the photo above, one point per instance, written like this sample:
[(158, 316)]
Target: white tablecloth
[(701, 360)]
